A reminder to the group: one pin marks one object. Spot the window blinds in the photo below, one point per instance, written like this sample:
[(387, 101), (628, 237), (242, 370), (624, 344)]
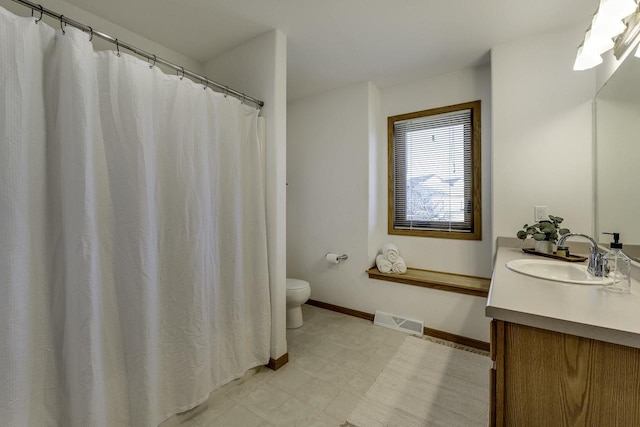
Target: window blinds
[(433, 172)]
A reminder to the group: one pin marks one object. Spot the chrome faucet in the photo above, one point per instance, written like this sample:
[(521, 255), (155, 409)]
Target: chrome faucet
[(595, 257)]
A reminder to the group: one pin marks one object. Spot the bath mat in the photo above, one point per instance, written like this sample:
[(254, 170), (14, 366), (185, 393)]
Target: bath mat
[(427, 384)]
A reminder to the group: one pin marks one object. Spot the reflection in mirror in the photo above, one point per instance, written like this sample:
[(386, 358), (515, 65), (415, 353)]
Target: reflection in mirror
[(618, 157)]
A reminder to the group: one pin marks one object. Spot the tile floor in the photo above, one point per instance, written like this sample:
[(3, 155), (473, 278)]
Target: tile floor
[(333, 360)]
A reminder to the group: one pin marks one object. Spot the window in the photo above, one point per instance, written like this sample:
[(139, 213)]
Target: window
[(434, 179)]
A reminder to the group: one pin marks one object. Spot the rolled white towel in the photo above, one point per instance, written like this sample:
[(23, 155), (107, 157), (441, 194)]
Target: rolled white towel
[(390, 252), (399, 267), (384, 265)]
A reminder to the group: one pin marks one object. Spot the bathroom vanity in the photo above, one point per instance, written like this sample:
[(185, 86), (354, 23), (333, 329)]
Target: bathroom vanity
[(563, 354)]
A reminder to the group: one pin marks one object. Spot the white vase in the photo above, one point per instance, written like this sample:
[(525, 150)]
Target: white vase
[(544, 246)]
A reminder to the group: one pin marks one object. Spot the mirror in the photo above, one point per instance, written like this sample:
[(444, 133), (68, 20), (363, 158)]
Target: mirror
[(617, 121)]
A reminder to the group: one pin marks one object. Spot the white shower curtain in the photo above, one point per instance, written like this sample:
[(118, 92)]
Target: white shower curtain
[(133, 257)]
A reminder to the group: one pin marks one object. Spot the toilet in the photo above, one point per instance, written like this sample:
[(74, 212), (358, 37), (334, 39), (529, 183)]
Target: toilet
[(298, 292)]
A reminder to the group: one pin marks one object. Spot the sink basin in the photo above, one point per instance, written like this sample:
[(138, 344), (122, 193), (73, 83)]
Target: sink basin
[(556, 270)]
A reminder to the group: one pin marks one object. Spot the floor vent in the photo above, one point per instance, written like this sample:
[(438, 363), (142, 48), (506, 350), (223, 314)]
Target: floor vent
[(398, 323)]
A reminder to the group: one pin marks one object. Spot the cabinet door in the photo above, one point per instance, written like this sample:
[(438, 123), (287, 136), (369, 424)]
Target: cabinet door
[(552, 378)]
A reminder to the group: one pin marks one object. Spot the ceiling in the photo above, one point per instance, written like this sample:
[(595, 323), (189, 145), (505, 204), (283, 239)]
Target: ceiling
[(335, 43)]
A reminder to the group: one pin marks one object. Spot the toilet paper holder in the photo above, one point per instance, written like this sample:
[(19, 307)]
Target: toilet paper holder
[(335, 258)]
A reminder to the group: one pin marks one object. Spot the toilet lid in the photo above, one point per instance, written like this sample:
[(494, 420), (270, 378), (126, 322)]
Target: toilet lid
[(296, 284)]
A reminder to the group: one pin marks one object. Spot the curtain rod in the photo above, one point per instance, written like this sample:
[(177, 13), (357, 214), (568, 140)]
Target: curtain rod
[(150, 57)]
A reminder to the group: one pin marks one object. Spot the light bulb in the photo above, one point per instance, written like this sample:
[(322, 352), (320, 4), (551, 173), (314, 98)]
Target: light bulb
[(586, 60), (596, 45), (606, 27), (617, 9)]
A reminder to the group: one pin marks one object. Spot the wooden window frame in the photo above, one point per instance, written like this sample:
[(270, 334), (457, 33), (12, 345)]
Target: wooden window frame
[(476, 184)]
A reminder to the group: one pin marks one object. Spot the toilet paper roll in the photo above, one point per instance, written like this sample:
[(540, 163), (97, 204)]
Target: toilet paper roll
[(332, 258)]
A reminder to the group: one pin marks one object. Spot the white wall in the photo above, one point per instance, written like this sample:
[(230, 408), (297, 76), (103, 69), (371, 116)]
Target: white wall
[(259, 68), (337, 195), (542, 132), (328, 193), (99, 24)]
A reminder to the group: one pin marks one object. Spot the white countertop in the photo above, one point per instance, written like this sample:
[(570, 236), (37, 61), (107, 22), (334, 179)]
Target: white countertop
[(582, 310)]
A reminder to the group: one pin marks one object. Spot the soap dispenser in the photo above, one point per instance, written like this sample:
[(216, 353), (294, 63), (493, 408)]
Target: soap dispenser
[(616, 266)]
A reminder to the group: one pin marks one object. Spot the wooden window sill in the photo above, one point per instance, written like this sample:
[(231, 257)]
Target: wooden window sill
[(469, 285)]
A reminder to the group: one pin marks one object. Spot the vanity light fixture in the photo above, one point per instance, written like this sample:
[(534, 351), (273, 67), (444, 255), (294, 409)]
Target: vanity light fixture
[(607, 24)]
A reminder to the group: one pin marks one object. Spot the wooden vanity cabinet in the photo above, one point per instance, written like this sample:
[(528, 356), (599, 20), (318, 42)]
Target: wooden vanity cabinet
[(546, 378)]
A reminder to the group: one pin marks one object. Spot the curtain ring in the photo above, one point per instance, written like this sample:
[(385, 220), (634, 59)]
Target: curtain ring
[(41, 10), (226, 91), (244, 98), (117, 48), (91, 37), (61, 27), (154, 62), (206, 83), (181, 77)]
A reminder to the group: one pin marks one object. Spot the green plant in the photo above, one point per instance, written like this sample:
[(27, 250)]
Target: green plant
[(544, 230)]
